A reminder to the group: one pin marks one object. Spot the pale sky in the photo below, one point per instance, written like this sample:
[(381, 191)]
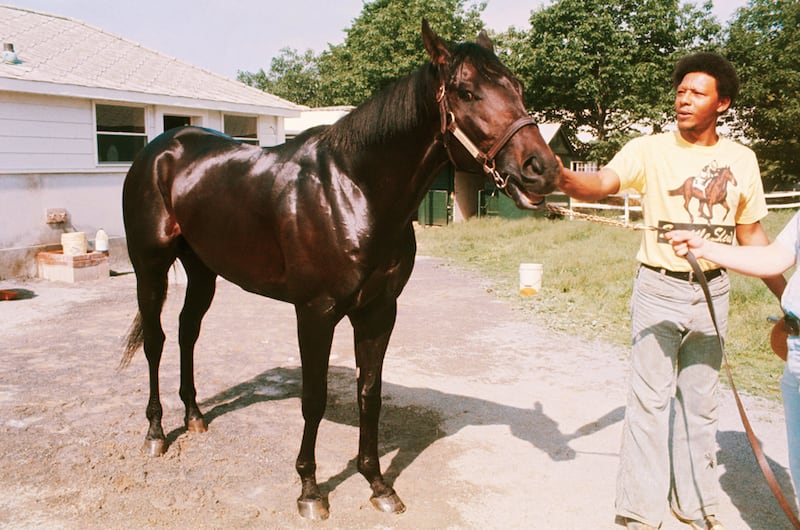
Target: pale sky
[(231, 35)]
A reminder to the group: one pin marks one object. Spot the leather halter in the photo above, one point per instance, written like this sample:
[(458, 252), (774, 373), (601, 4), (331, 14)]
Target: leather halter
[(486, 160)]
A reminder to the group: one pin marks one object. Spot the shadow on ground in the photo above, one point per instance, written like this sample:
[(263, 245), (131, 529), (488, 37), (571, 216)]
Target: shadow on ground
[(406, 428)]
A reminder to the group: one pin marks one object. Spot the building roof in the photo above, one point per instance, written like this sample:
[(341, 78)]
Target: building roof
[(312, 116), (548, 130), (64, 56)]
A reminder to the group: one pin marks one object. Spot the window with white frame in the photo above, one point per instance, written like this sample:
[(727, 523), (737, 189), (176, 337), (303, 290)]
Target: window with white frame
[(120, 133), (584, 166), (242, 128)]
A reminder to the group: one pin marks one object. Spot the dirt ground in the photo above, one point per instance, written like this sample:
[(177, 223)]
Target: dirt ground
[(489, 420)]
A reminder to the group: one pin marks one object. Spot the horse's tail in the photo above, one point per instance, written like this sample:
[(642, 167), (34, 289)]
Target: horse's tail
[(679, 189), (132, 342)]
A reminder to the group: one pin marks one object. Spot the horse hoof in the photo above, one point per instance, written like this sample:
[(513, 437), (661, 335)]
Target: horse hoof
[(388, 503), (153, 447), (196, 425), (313, 509)]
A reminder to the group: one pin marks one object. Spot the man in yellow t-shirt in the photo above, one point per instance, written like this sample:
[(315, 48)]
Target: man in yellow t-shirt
[(669, 445)]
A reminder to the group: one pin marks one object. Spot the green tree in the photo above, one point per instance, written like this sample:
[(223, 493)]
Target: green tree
[(291, 76), (604, 66), (764, 43), (385, 43)]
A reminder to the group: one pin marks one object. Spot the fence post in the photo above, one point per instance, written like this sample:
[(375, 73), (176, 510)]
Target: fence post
[(627, 210)]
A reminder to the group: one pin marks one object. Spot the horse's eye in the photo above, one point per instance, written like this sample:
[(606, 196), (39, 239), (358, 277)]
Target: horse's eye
[(466, 95)]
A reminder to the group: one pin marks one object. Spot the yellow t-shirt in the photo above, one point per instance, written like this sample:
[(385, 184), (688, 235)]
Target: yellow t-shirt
[(706, 189)]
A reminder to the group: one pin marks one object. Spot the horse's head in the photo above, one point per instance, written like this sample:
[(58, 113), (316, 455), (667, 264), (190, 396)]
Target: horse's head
[(481, 107), (726, 174)]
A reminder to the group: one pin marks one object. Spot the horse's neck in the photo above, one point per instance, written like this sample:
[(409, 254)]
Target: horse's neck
[(408, 158), (406, 174)]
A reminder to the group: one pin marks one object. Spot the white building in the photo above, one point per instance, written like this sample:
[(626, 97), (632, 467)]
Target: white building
[(76, 105), (313, 116)]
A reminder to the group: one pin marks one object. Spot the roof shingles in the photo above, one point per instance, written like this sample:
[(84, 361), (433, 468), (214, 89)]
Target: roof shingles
[(64, 51)]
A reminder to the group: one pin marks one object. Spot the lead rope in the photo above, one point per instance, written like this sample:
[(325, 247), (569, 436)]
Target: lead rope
[(754, 443), (701, 279)]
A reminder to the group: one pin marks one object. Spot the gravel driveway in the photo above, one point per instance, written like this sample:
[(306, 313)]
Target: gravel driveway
[(489, 419)]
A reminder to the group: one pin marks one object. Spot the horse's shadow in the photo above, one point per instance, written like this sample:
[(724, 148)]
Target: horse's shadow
[(412, 419)]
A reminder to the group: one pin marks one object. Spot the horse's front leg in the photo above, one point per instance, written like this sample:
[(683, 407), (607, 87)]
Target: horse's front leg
[(315, 336), (725, 205), (704, 210), (372, 328)]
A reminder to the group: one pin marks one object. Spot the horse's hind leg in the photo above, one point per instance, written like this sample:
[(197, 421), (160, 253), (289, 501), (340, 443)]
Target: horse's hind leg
[(687, 198), (200, 289), (151, 289)]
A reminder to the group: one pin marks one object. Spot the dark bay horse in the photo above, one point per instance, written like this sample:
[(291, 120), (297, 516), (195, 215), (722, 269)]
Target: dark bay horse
[(322, 222), (715, 192)]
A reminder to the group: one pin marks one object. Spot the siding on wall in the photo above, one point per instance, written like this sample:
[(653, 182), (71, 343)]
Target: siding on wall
[(39, 133), (91, 201)]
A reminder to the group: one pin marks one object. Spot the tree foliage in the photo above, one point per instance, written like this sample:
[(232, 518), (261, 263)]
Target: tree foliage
[(291, 76), (599, 66), (764, 44), (604, 66), (383, 44)]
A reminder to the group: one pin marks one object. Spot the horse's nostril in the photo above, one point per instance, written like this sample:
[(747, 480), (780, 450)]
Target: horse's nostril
[(533, 166)]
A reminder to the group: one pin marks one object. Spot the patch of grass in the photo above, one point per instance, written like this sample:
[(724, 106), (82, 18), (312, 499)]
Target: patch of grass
[(587, 280)]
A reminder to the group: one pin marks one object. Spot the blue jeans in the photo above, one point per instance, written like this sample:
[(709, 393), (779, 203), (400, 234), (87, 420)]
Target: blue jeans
[(790, 389), (669, 445)]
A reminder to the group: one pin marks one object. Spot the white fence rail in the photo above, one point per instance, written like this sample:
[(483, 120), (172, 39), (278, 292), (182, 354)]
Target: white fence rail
[(794, 196), (629, 202)]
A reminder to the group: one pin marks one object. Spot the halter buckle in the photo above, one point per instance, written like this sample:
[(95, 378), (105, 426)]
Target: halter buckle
[(441, 93), (498, 179)]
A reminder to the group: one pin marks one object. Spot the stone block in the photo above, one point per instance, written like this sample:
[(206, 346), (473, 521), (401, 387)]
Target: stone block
[(58, 267)]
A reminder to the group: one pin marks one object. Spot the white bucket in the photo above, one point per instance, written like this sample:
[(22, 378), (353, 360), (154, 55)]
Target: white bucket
[(530, 278), (74, 243), (101, 241)]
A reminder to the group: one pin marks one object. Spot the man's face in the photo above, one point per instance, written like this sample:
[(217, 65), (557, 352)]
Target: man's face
[(698, 104)]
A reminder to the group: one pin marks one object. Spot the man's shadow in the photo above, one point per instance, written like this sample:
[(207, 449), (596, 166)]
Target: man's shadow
[(411, 418), (744, 483)]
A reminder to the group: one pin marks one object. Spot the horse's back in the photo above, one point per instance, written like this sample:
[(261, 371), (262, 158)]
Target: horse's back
[(160, 159), (148, 188), (199, 190), (261, 218)]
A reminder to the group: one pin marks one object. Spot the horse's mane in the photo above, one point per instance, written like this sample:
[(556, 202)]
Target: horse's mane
[(398, 108), (408, 102)]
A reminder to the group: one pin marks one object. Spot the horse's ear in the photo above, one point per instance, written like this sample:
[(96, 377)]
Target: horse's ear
[(485, 41), (437, 50)]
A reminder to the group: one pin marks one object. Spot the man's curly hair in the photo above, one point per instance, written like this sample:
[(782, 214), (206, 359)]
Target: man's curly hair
[(712, 64)]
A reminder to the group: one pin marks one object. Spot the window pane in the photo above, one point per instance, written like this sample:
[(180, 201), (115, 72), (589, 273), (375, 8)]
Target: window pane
[(111, 118), (119, 148), (240, 126)]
